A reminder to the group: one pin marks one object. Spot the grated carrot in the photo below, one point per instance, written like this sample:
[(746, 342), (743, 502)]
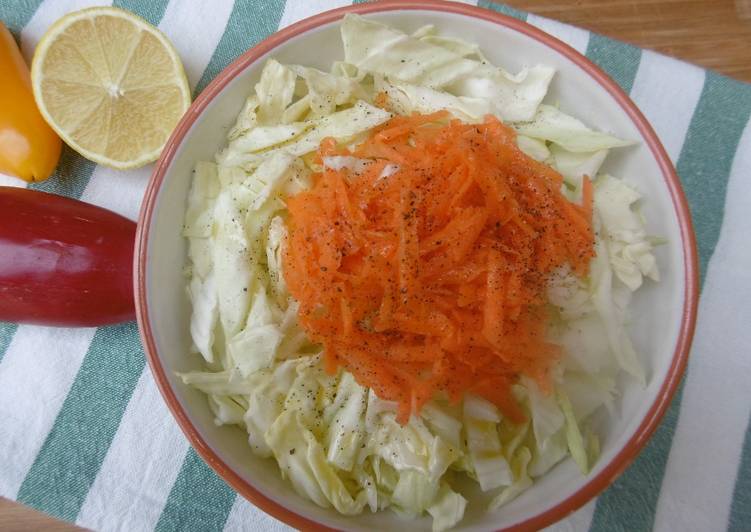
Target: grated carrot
[(431, 281)]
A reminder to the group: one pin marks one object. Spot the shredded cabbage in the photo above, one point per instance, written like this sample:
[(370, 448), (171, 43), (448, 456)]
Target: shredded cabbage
[(379, 49), (336, 441), (551, 124), (575, 165), (447, 508), (407, 98), (629, 247), (327, 91), (302, 137)]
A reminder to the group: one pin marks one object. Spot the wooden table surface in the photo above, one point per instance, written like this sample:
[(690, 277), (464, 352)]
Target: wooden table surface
[(715, 34)]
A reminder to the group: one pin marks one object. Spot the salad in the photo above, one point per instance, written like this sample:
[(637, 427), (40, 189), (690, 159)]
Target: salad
[(410, 270)]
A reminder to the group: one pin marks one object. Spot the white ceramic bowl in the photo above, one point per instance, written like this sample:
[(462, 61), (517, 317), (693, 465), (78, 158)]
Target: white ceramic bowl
[(663, 313)]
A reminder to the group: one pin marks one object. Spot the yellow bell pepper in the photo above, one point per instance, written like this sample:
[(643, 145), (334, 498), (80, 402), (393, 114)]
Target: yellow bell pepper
[(29, 149)]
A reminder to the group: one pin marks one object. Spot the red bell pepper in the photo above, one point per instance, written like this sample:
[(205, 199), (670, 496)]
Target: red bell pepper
[(63, 262)]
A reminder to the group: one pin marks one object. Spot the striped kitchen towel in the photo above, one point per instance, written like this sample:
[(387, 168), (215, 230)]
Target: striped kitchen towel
[(85, 436)]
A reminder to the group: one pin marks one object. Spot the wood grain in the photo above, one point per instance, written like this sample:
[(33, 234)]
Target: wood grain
[(715, 34), (17, 518)]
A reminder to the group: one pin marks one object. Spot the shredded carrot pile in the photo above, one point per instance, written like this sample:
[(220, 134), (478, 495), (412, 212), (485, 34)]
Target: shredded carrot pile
[(425, 273)]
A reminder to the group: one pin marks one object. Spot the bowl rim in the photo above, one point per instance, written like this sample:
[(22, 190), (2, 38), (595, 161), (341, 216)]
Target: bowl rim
[(649, 423)]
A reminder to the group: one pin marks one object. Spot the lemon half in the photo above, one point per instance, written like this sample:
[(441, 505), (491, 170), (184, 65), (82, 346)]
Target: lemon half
[(110, 84)]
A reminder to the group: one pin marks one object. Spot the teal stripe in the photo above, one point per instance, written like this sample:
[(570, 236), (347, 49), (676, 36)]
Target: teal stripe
[(72, 454), (17, 13), (707, 156), (199, 499), (704, 166), (631, 501), (152, 10), (71, 175), (7, 330), (249, 23), (740, 509), (487, 4), (619, 60), (503, 9)]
